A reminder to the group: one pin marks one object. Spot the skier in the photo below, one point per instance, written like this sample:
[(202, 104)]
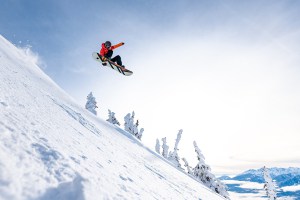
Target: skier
[(107, 51)]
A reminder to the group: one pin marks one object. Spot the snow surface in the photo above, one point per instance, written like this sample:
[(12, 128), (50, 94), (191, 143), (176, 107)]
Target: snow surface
[(52, 148)]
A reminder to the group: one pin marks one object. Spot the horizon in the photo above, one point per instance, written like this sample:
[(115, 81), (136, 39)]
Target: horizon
[(225, 72)]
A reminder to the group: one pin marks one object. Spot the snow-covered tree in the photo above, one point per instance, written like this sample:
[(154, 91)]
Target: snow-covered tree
[(173, 157), (202, 170), (165, 147), (111, 118), (91, 104), (135, 131), (140, 134), (186, 164), (129, 122), (157, 146), (131, 127), (221, 189), (203, 173), (269, 185)]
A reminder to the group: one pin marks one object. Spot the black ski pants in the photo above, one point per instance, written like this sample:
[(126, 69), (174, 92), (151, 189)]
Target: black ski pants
[(116, 59)]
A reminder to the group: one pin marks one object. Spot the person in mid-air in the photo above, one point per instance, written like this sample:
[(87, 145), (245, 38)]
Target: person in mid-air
[(107, 51)]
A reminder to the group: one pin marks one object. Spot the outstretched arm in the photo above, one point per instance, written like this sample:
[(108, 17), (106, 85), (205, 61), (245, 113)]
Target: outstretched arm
[(117, 45)]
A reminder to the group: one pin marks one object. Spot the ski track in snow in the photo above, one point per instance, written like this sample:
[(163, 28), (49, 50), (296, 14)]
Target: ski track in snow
[(52, 148), (79, 118)]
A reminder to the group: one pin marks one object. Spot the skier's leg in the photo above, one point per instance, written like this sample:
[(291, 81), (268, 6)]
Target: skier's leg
[(117, 59)]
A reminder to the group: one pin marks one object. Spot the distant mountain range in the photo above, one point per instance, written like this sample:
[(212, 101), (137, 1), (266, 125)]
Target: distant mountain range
[(283, 176)]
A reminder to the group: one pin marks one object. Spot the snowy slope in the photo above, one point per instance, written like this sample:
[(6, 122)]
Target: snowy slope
[(52, 148)]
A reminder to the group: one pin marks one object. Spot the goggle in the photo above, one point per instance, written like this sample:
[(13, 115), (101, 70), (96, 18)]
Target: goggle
[(107, 45)]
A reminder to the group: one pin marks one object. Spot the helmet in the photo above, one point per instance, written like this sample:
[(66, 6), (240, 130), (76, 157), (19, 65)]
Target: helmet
[(107, 44)]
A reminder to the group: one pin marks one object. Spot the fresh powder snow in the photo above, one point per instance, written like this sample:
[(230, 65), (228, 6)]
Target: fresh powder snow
[(53, 148)]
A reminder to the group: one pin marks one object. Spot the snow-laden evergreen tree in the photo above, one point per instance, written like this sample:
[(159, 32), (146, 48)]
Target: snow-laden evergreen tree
[(157, 146), (129, 122), (186, 164), (269, 185), (111, 118), (203, 173), (131, 127), (165, 147), (91, 104), (221, 189), (140, 134), (173, 156), (202, 170), (135, 128)]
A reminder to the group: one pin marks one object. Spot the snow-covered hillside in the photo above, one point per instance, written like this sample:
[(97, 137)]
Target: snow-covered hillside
[(52, 148)]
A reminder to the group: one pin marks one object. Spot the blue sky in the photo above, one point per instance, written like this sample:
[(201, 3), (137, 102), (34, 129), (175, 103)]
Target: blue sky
[(226, 72)]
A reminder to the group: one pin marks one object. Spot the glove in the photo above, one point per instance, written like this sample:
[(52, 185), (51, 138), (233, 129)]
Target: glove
[(122, 43)]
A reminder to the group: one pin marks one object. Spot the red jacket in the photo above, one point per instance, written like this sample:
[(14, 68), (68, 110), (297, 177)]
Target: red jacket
[(104, 50)]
